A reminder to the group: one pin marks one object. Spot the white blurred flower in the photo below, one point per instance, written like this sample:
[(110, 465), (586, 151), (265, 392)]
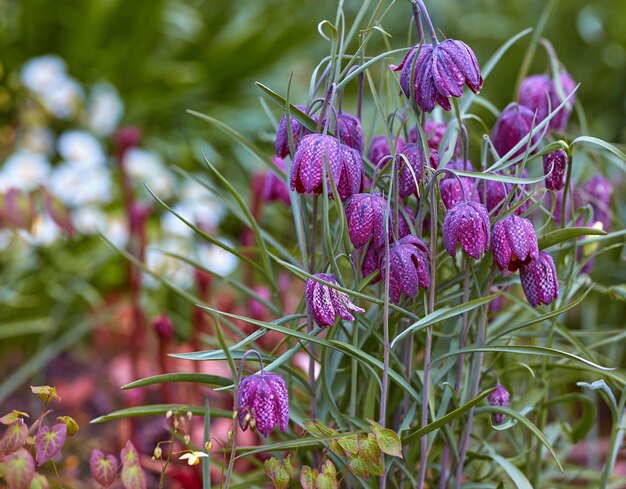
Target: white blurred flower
[(62, 98), (77, 185), (116, 230), (43, 231), (217, 259), (41, 72), (192, 191), (89, 220), (6, 238), (24, 170), (204, 214), (105, 110), (146, 167), (169, 268), (38, 139), (81, 148)]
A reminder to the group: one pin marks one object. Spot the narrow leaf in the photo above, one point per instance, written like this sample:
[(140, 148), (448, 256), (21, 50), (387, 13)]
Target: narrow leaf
[(213, 380), (157, 410), (560, 235), (516, 475)]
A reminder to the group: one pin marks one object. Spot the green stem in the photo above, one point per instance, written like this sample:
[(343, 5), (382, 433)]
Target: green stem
[(56, 473)]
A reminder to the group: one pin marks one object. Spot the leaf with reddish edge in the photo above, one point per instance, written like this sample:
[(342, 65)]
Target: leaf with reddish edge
[(133, 477), (103, 468), (49, 442), (129, 454), (19, 469), (12, 417), (14, 437)]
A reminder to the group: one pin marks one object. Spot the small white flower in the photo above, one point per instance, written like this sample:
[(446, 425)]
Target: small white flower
[(41, 72), (24, 170), (169, 268), (81, 147), (116, 230), (62, 98), (193, 458), (146, 167), (77, 185), (217, 259), (105, 110), (89, 220)]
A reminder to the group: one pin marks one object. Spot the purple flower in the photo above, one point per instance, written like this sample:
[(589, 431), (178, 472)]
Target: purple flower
[(371, 262), (351, 179), (316, 154), (499, 397), (410, 175), (325, 303), (274, 188), (514, 243), (408, 267), (379, 148), (263, 402), (281, 143), (493, 194), (433, 131), (467, 223), (513, 125), (365, 214), (557, 163), (539, 93), (350, 132), (451, 192), (439, 73), (163, 327), (539, 280), (404, 227), (598, 192)]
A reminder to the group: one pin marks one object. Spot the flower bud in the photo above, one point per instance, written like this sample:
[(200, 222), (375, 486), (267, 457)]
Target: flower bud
[(513, 125), (350, 132), (186, 439), (157, 452), (499, 397), (163, 328)]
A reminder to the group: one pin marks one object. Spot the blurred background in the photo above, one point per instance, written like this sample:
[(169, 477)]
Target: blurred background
[(143, 63)]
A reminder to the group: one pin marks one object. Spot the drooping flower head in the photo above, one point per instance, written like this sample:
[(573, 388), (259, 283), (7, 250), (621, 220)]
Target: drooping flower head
[(555, 162), (540, 94), (598, 191), (379, 148), (499, 397), (351, 176), (513, 125), (274, 188), (298, 131), (349, 131), (467, 223), (493, 194), (325, 303), (263, 402), (371, 261), (408, 267), (409, 175), (539, 280), (433, 131), (365, 214), (316, 154), (451, 192), (431, 75), (514, 243)]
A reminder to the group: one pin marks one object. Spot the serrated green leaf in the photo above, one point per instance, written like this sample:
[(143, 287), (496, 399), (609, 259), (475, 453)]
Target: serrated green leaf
[(388, 441), (560, 235)]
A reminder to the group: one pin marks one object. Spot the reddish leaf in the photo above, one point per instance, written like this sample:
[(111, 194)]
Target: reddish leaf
[(129, 454), (103, 468), (19, 469), (133, 477), (49, 442), (14, 437)]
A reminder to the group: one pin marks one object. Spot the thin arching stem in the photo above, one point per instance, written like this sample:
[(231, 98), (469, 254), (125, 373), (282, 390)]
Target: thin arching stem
[(429, 24)]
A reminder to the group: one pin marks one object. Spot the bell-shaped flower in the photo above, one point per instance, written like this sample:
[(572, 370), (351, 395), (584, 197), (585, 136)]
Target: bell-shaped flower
[(263, 402), (365, 214), (349, 131), (499, 397), (514, 243), (409, 267), (379, 148), (467, 224), (298, 131), (554, 166), (431, 75), (325, 303), (513, 125), (539, 280)]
